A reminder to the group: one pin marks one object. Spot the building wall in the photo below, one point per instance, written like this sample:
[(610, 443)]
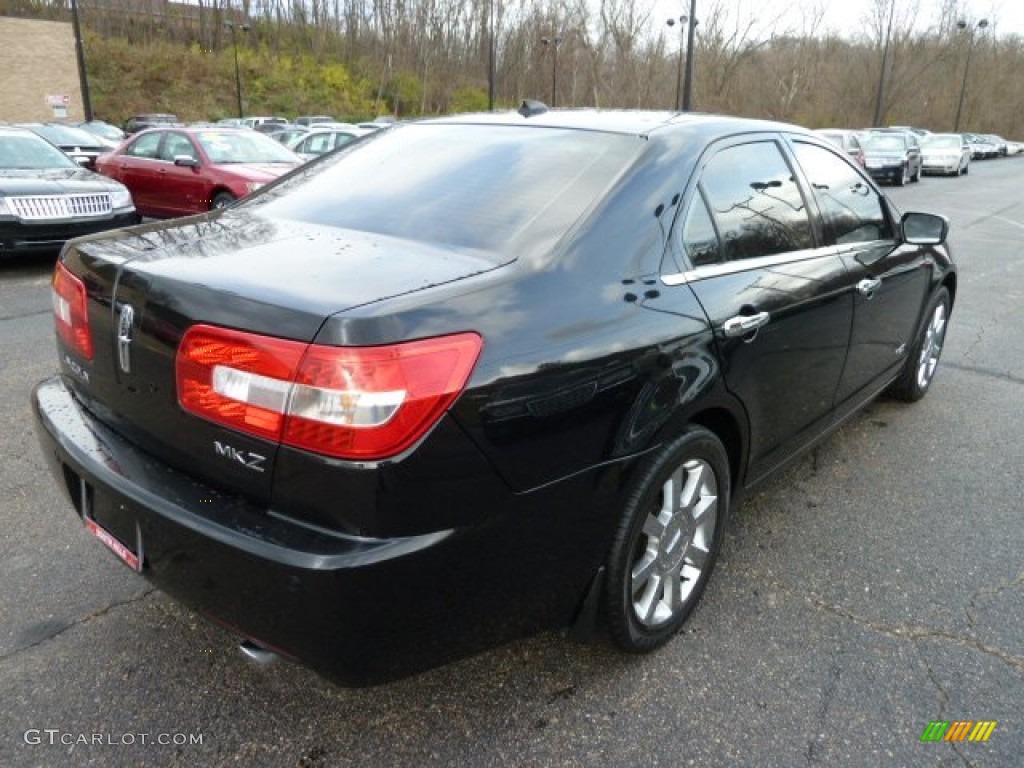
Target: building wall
[(37, 59)]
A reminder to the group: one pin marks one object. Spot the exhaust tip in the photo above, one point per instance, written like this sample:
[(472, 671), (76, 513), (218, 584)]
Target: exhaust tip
[(256, 653)]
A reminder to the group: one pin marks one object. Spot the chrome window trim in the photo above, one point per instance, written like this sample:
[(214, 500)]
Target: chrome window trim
[(744, 265)]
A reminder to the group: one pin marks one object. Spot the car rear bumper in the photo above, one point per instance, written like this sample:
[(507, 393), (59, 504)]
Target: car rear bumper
[(891, 173), (360, 611)]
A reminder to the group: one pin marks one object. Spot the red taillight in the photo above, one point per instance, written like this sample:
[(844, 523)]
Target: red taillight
[(70, 312), (351, 402)]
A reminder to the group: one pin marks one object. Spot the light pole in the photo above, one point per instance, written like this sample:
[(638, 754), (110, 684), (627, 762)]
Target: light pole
[(554, 42), (967, 67), (490, 56), (688, 82), (679, 72), (238, 76), (83, 75)]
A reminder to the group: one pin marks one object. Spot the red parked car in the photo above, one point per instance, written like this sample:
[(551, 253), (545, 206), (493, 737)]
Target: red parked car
[(177, 171)]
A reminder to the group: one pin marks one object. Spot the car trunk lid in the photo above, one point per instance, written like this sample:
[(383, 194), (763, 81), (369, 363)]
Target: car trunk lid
[(146, 287)]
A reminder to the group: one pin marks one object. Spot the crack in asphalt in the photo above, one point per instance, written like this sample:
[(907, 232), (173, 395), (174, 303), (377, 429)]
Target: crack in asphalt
[(944, 694), (989, 592), (911, 632), (827, 696), (36, 313), (987, 372), (78, 623)]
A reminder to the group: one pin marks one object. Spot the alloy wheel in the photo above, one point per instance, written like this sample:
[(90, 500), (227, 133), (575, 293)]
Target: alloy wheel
[(674, 547), (931, 349)]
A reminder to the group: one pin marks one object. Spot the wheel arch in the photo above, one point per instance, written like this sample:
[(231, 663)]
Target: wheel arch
[(949, 283), (217, 190), (726, 427)]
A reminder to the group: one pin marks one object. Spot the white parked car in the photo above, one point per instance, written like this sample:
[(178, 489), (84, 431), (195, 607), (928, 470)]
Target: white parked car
[(945, 153)]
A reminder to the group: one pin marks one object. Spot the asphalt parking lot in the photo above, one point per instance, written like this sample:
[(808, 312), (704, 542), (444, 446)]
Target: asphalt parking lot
[(875, 587)]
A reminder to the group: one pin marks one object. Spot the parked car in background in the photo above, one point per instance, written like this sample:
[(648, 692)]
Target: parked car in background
[(321, 139), (46, 198), (1000, 144), (77, 143), (110, 134), (232, 122), (255, 122), (945, 153), (178, 171), (848, 141), (480, 376), (286, 135), (274, 126), (919, 132), (142, 122), (892, 156), (313, 119), (377, 123), (981, 147)]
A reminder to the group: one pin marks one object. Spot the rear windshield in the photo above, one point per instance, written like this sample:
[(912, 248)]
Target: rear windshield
[(505, 189), (883, 142), (942, 142)]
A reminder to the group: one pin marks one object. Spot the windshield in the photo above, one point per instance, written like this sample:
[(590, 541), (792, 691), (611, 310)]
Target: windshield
[(64, 135), (942, 142), (29, 152), (105, 130), (883, 143), (243, 146), (505, 189)]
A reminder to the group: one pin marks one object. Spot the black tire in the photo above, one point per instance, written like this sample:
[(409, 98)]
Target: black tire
[(917, 176), (923, 360), (671, 526), (221, 200)]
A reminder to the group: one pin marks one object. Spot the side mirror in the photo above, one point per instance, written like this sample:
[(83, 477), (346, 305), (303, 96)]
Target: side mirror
[(925, 228), (186, 161)]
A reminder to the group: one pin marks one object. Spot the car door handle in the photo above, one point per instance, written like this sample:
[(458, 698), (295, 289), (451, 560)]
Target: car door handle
[(741, 325), (868, 286)]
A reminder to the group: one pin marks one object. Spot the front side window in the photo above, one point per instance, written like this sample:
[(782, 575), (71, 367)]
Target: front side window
[(756, 202), (177, 145), (851, 208)]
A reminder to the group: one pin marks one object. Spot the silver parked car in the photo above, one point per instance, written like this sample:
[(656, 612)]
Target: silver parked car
[(321, 139), (945, 153)]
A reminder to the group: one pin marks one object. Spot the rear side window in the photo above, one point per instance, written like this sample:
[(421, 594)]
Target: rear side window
[(511, 190), (851, 208), (699, 237), (145, 146), (755, 202)]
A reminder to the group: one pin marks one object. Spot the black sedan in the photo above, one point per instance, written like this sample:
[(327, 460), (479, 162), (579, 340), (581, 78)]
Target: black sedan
[(469, 378), (77, 143), (892, 156), (47, 199)]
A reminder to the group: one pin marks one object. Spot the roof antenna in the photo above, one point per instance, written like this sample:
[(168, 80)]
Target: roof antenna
[(531, 107)]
